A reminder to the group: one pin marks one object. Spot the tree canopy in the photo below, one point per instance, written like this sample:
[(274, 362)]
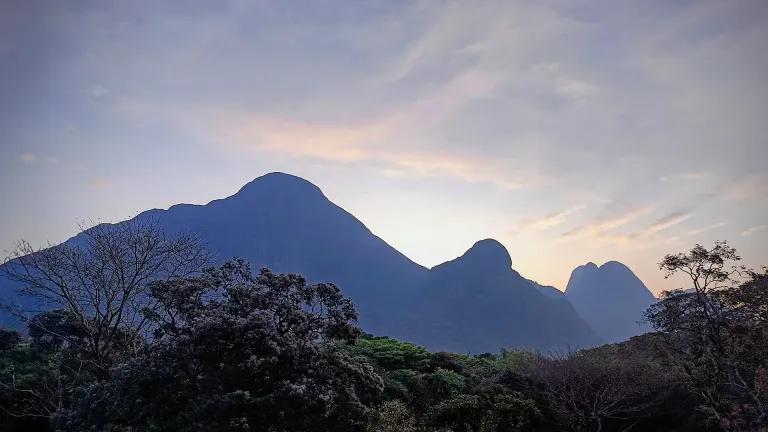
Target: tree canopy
[(229, 350)]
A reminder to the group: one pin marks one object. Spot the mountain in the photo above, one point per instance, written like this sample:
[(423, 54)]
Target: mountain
[(550, 291), (478, 303), (287, 224), (610, 298)]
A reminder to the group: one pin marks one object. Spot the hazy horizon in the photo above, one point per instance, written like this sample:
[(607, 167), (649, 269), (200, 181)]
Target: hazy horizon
[(569, 131)]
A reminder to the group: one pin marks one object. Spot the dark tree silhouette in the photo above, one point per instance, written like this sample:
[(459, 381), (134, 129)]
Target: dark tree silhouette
[(234, 352), (100, 278), (716, 331), (595, 391)]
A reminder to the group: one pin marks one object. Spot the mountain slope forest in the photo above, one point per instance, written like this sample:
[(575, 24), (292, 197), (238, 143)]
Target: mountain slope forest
[(140, 333)]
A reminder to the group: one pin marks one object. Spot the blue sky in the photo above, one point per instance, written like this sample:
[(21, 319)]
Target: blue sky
[(570, 131)]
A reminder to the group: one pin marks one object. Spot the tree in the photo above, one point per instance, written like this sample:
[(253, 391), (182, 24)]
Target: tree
[(391, 354), (508, 412), (30, 385), (590, 390), (391, 416), (100, 278), (9, 339), (39, 374), (233, 352), (497, 411), (461, 413), (717, 333)]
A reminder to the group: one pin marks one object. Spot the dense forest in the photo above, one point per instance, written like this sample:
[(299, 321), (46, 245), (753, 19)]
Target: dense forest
[(139, 333)]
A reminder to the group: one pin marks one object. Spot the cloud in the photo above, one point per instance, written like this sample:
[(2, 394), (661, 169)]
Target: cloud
[(366, 143), (750, 231), (446, 30), (664, 223), (551, 220), (385, 140), (496, 38), (694, 175), (688, 176), (28, 157), (600, 227), (96, 91), (572, 88), (701, 230), (101, 184), (601, 98), (754, 186), (603, 231)]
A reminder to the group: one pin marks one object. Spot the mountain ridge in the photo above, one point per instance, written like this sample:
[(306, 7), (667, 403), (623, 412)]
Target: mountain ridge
[(486, 298), (286, 223)]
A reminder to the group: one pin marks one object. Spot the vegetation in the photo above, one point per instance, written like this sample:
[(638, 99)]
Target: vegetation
[(228, 350), (717, 333)]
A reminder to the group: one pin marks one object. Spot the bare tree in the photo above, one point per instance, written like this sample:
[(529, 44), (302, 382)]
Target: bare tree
[(589, 392), (100, 278)]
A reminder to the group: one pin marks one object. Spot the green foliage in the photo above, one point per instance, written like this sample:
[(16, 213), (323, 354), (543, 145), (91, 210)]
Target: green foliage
[(400, 384), (391, 354), (717, 334), (234, 351), (513, 360), (494, 412), (509, 412), (29, 380), (391, 416), (460, 413), (444, 382)]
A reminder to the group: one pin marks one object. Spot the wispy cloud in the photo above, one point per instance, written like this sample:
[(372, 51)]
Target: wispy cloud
[(754, 186), (96, 91), (31, 158), (384, 140), (28, 157), (600, 227), (604, 231), (688, 176), (702, 230), (755, 229), (664, 223), (101, 184), (363, 143), (519, 95), (550, 220), (573, 88)]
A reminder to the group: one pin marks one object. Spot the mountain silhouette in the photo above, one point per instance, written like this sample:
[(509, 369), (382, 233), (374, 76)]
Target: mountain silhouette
[(285, 223), (478, 303), (611, 298), (550, 291)]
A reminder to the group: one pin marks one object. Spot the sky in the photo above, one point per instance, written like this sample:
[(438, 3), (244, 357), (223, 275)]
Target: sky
[(571, 131)]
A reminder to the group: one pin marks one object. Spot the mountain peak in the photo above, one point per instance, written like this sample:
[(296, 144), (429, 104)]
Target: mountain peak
[(489, 251), (279, 182), (611, 298), (616, 266), (589, 266)]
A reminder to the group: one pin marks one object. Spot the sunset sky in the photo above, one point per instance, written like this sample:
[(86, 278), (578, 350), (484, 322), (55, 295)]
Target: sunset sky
[(571, 131)]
